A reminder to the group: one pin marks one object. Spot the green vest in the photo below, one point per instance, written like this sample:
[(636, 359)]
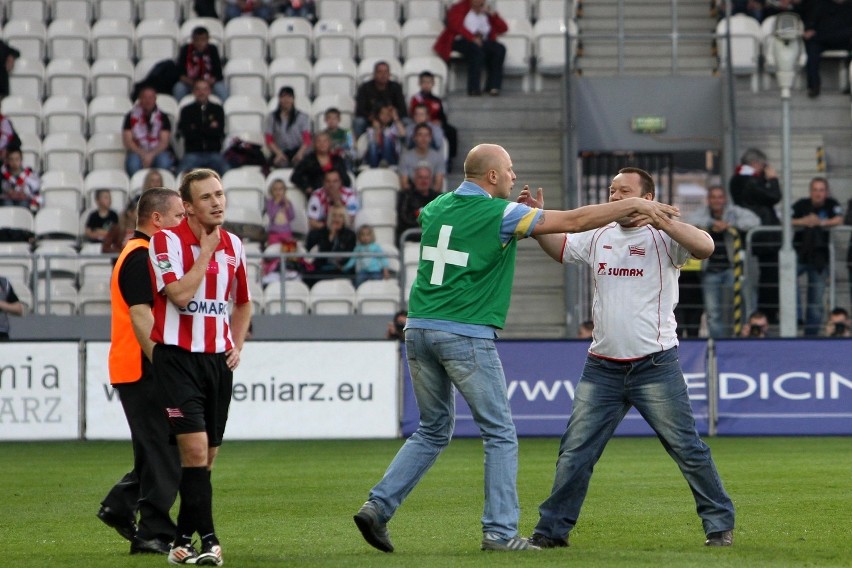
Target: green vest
[(465, 272)]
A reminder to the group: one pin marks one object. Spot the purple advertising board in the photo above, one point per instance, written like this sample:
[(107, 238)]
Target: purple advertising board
[(785, 387), (540, 380)]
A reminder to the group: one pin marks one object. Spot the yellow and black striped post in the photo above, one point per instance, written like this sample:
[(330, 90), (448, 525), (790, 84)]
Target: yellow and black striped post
[(739, 280)]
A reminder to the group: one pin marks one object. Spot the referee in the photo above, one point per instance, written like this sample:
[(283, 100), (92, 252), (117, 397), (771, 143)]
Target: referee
[(151, 486), (198, 268)]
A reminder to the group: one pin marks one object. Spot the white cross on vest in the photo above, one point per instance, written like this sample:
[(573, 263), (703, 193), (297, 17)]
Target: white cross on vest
[(442, 255)]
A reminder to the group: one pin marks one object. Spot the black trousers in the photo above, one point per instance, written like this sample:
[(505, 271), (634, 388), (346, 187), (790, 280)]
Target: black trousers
[(488, 57), (152, 485)]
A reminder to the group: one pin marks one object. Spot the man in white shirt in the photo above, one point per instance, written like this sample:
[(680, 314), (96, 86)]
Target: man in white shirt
[(632, 361)]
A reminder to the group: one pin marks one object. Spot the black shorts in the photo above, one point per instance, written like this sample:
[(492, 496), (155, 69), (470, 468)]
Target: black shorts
[(194, 389)]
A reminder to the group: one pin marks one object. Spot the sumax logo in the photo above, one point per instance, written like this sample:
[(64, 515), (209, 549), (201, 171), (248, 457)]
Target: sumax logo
[(629, 272)]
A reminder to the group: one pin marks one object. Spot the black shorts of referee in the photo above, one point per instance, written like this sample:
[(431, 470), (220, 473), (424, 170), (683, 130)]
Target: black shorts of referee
[(194, 389)]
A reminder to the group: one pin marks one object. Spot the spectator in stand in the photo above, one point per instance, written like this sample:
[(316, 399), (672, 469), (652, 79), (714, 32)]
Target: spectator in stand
[(153, 179), (263, 9), (8, 137), (754, 186), (753, 8), (757, 325), (828, 25), (775, 7), (411, 200), (368, 267), (205, 8), (299, 9), (813, 217), (342, 143), (586, 330), (383, 138), (202, 126), (838, 324), (102, 219), (335, 237), (375, 94), (279, 232), (333, 193), (146, 134), (19, 184), (422, 153), (420, 115), (396, 328), (199, 59), (288, 131), (436, 111), (9, 304), (123, 231), (308, 175), (727, 224), (8, 55), (472, 30)]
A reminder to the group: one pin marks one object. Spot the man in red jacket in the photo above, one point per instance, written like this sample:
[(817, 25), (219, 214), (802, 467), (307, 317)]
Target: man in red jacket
[(472, 30)]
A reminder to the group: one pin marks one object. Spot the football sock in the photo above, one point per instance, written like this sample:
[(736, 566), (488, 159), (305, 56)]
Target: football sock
[(205, 505), (192, 482)]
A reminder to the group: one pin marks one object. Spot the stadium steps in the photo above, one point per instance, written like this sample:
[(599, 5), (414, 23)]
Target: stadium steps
[(529, 126)]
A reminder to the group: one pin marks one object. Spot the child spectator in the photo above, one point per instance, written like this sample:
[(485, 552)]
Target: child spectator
[(420, 115), (8, 137), (299, 9), (341, 138), (280, 212), (19, 185), (122, 231), (101, 220), (384, 135), (367, 267)]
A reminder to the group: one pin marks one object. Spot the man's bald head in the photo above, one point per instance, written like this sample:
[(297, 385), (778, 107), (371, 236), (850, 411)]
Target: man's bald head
[(490, 167)]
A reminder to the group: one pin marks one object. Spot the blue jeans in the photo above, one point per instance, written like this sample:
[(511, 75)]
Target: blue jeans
[(439, 361), (181, 89), (717, 289), (213, 160), (386, 152), (164, 161), (812, 313), (607, 389)]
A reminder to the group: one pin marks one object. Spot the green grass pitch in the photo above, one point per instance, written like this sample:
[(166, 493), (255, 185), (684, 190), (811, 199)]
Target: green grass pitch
[(291, 504)]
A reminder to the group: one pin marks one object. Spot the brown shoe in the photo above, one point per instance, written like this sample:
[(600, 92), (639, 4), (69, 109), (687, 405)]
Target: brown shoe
[(723, 538)]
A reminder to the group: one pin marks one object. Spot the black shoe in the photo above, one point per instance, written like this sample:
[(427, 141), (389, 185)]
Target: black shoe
[(153, 546), (541, 541), (722, 538), (126, 527), (374, 531), (813, 92)]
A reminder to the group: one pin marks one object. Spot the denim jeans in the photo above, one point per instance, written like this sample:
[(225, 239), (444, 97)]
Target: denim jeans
[(213, 160), (439, 361), (164, 161), (717, 291), (181, 89), (386, 152), (813, 312), (607, 389)]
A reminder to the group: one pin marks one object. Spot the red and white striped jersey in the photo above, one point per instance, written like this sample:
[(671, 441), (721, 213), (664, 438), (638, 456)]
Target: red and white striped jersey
[(635, 273), (204, 325)]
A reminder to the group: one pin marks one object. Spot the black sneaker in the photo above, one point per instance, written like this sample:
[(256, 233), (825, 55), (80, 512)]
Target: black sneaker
[(374, 531), (126, 527), (722, 538), (541, 541), (149, 546)]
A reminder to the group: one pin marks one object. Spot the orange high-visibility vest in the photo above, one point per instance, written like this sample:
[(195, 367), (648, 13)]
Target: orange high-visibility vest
[(125, 354)]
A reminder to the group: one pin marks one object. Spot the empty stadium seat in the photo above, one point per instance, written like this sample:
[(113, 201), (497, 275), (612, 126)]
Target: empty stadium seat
[(31, 147), (94, 299), (383, 221), (53, 223), (432, 9), (27, 36), (168, 104), (17, 218), (122, 10), (246, 76), (245, 187), (157, 39), (378, 38), (246, 38), (62, 188), (106, 113), (518, 42), (34, 10), (378, 297), (71, 9), (64, 113), (291, 37), (63, 76), (68, 39), (160, 9), (245, 112), (105, 151), (64, 151), (419, 35), (334, 38), (335, 76), (556, 9), (746, 37), (387, 10), (549, 47), (333, 297), (27, 78), (514, 9), (294, 72), (112, 77), (58, 299), (337, 9), (25, 114), (296, 301)]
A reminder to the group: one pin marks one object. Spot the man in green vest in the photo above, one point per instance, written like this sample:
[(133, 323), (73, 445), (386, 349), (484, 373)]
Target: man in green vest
[(459, 300)]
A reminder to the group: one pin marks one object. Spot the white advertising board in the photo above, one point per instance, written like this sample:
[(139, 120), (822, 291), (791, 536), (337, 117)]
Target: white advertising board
[(39, 391), (283, 390)]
